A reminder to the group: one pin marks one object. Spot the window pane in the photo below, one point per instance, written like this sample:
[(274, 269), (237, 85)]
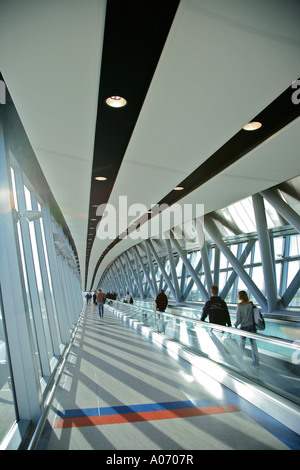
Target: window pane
[(278, 247), (39, 277), (293, 268), (223, 261), (31, 319), (222, 280), (257, 257), (13, 181), (8, 414), (258, 278), (278, 268), (49, 277), (40, 290), (295, 246)]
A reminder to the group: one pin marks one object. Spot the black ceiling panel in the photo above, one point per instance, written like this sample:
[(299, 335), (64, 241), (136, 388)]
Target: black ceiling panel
[(134, 36)]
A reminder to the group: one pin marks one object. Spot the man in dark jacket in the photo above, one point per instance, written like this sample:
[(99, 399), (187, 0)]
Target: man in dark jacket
[(100, 301), (216, 309), (161, 301)]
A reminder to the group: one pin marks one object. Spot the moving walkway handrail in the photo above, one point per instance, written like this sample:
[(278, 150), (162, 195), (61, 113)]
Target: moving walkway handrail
[(287, 343)]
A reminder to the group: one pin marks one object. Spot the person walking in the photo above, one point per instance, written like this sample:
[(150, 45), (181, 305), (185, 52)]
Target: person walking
[(216, 309), (244, 317), (161, 301), (101, 297)]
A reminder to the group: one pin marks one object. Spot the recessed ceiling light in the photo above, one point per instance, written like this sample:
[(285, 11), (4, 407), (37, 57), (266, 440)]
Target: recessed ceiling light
[(101, 178), (178, 188), (252, 126), (116, 101)]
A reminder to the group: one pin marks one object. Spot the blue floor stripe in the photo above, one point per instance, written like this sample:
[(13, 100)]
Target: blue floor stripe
[(121, 409)]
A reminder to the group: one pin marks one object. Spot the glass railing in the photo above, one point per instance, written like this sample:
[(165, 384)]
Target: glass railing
[(271, 362)]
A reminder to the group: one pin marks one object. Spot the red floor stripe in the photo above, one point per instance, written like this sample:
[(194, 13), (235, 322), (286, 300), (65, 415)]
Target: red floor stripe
[(143, 416)]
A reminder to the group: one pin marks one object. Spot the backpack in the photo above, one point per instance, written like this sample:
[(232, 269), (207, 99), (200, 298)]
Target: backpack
[(258, 319)]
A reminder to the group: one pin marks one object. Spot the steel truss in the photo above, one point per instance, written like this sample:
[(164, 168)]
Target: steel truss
[(170, 264)]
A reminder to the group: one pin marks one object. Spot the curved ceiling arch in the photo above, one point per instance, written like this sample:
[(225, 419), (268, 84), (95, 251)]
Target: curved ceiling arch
[(217, 65)]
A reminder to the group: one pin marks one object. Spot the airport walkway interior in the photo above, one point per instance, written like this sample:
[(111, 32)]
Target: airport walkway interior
[(149, 183)]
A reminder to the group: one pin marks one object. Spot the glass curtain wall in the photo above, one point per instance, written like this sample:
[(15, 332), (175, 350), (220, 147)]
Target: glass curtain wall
[(8, 411), (40, 300)]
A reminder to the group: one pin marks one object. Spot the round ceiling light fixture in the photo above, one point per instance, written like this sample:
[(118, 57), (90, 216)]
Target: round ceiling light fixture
[(178, 188), (116, 101), (100, 178), (252, 126)]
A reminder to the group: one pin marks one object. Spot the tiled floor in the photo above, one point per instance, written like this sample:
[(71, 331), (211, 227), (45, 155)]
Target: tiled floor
[(119, 391)]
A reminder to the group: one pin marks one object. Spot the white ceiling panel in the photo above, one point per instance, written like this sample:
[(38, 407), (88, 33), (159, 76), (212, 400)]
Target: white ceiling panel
[(222, 64), (50, 57)]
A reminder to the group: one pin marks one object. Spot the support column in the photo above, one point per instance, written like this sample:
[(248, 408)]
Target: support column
[(112, 281), (217, 266), (183, 278), (173, 270), (127, 277), (122, 274), (273, 197), (265, 251), (242, 258), (190, 268), (162, 269), (191, 282), (154, 283), (284, 269), (133, 274), (139, 275), (291, 290), (144, 269), (117, 279), (213, 231), (204, 255)]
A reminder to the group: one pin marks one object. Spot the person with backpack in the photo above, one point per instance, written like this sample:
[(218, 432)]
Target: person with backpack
[(216, 309), (127, 298), (244, 317), (161, 301)]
